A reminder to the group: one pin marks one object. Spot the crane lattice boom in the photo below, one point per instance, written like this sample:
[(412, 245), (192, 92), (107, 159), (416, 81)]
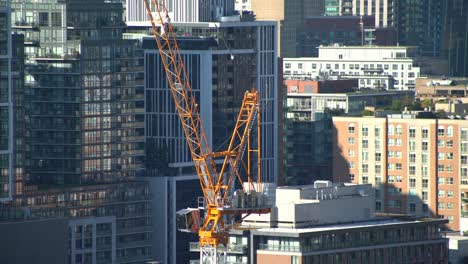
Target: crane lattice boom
[(217, 187)]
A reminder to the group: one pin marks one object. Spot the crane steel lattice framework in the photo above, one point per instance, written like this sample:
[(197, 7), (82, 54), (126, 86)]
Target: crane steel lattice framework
[(217, 187)]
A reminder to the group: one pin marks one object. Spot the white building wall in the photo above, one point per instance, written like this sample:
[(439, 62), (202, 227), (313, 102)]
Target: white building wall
[(340, 61)]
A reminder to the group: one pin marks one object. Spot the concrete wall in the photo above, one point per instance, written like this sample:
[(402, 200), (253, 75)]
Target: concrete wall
[(39, 241)]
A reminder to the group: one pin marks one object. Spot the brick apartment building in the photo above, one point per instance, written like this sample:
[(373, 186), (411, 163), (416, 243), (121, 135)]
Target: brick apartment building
[(418, 166)]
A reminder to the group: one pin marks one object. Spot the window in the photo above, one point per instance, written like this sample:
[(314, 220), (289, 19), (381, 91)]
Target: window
[(450, 206), (391, 142), (441, 205), (328, 66), (391, 179), (287, 65), (412, 170), (449, 193), (449, 143), (440, 131), (425, 183), (351, 177), (440, 143), (365, 131), (378, 169), (412, 157), (398, 154), (365, 179), (399, 179), (351, 152), (412, 182), (390, 154), (390, 129), (412, 145), (56, 19), (450, 156), (441, 156), (299, 65), (425, 133), (365, 143), (425, 208), (441, 181), (424, 158), (412, 207), (399, 130), (450, 131), (440, 168), (412, 192), (424, 195), (365, 156), (464, 134), (351, 141), (424, 171), (378, 206), (43, 19), (398, 141), (449, 168), (351, 165), (464, 159), (391, 166), (441, 193), (377, 144), (410, 74), (351, 129), (377, 131), (395, 67), (464, 147), (365, 168), (425, 145), (412, 132), (450, 180), (378, 156), (314, 66), (398, 166)]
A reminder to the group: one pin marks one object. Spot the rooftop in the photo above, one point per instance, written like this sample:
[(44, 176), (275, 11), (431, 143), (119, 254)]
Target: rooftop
[(338, 226)]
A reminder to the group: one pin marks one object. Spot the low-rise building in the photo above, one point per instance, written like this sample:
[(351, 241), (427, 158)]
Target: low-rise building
[(438, 87), (334, 223), (336, 60)]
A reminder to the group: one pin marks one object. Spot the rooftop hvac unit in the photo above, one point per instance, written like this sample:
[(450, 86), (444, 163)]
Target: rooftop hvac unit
[(322, 184)]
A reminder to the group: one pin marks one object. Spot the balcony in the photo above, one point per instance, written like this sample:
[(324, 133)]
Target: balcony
[(25, 25)]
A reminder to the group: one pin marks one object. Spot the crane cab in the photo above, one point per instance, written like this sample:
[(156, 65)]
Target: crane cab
[(188, 220)]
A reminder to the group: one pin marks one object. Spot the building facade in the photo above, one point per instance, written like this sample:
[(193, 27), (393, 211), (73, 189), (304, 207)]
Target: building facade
[(6, 103), (192, 11), (417, 165), (384, 11), (455, 39), (366, 63)]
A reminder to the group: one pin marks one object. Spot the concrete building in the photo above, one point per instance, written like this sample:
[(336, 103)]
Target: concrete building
[(243, 5), (192, 11), (435, 88), (384, 11), (334, 223), (289, 16), (360, 62), (417, 165)]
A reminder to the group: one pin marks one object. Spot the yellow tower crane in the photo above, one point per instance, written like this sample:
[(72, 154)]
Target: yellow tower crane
[(223, 206)]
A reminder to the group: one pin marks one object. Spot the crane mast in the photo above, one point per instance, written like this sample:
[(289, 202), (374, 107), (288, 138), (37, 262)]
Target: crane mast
[(217, 187)]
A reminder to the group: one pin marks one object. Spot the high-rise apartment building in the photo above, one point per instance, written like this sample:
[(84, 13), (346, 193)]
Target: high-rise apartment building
[(6, 104), (419, 166), (455, 37), (420, 23), (384, 11), (290, 18), (84, 104)]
